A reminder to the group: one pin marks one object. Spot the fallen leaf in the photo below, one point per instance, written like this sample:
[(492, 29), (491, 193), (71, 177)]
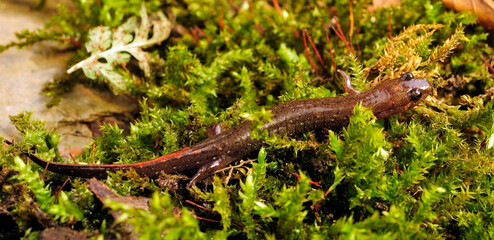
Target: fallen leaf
[(484, 9), (110, 48), (383, 3)]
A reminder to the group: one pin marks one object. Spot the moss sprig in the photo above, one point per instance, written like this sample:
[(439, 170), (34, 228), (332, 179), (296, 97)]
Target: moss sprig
[(162, 217), (61, 207)]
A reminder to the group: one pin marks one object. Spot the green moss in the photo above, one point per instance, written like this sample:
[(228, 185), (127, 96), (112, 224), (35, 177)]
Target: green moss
[(60, 206), (160, 219), (422, 174)]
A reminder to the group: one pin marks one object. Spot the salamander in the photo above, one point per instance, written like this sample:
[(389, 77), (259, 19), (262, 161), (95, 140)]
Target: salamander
[(292, 118)]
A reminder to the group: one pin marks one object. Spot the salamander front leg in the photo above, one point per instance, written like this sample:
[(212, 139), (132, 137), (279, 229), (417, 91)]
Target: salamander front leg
[(209, 169), (347, 83)]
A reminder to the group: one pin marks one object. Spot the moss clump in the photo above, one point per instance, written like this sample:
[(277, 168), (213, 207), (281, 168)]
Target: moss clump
[(426, 173)]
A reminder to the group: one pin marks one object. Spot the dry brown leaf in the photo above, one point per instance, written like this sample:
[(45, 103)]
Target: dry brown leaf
[(484, 9), (383, 3)]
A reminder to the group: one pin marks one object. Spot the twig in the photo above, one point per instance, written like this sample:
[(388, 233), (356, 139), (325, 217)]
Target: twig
[(92, 152), (315, 50), (194, 33), (307, 52), (317, 184), (207, 219), (46, 169), (331, 51), (350, 35), (220, 22), (61, 187), (342, 37), (348, 45), (203, 33), (491, 70), (389, 26), (269, 20), (191, 37), (259, 29), (398, 168), (72, 157), (201, 207), (277, 6)]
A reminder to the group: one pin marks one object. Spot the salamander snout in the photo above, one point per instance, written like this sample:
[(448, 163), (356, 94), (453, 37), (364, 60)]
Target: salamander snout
[(417, 88)]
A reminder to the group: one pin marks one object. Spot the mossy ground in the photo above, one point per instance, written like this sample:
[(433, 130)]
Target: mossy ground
[(426, 173)]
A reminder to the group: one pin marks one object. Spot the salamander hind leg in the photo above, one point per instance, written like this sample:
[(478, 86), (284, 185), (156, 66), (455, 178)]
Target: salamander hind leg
[(209, 169), (214, 130)]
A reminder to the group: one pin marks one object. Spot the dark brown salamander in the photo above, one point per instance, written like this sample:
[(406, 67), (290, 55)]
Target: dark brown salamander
[(292, 118)]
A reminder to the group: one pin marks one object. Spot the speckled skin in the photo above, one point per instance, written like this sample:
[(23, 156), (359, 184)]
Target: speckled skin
[(292, 118)]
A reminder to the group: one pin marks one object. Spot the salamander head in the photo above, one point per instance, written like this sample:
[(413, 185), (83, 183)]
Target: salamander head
[(417, 88), (398, 95)]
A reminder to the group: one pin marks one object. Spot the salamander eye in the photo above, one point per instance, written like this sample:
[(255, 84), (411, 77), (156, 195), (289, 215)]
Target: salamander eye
[(415, 94), (407, 76)]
